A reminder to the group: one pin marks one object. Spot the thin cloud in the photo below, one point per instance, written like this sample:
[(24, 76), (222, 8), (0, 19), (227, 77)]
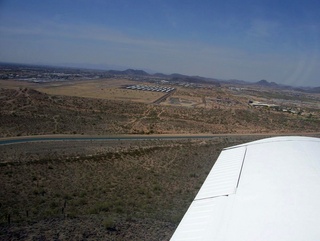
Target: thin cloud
[(86, 32), (263, 28)]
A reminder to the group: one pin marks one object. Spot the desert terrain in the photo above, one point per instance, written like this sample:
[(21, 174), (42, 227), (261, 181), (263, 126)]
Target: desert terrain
[(102, 89), (50, 108), (125, 189), (102, 190)]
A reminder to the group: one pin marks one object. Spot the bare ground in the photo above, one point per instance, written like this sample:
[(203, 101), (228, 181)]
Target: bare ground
[(114, 190), (120, 190), (28, 112)]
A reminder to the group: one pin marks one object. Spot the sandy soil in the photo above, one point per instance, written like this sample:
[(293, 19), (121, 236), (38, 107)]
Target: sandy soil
[(118, 190), (112, 89)]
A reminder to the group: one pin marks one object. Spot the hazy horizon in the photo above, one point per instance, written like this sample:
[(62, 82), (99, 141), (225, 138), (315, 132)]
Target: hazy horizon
[(247, 40)]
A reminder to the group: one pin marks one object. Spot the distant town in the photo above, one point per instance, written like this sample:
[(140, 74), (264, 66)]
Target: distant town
[(262, 94)]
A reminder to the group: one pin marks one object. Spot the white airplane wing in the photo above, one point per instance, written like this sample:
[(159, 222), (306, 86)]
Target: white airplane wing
[(262, 190)]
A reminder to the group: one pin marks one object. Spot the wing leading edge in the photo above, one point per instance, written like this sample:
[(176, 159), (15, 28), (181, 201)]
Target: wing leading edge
[(262, 190)]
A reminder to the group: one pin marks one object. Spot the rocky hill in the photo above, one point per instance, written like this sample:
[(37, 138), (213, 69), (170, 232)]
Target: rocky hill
[(29, 112)]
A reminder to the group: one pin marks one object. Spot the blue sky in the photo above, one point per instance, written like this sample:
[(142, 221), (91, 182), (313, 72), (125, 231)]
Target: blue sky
[(229, 39)]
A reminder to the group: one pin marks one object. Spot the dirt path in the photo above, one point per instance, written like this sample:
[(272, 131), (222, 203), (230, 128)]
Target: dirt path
[(137, 121), (55, 122)]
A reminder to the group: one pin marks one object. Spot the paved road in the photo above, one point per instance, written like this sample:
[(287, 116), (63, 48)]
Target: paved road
[(163, 98), (15, 140)]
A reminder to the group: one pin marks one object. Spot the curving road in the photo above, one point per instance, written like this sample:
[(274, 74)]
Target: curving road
[(44, 138)]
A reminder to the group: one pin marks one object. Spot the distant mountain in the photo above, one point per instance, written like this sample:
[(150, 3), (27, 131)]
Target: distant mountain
[(316, 89), (267, 84), (274, 85), (235, 81), (128, 72), (193, 79), (311, 90), (170, 77), (160, 75), (135, 72)]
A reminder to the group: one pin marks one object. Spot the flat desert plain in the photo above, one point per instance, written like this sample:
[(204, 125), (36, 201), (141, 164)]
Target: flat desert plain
[(112, 89)]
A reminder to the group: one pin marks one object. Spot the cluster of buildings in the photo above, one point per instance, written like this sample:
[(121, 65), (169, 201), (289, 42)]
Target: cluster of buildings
[(42, 74), (260, 104), (154, 88), (275, 107)]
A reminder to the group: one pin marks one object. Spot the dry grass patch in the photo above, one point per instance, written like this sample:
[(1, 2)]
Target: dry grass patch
[(126, 187), (112, 89)]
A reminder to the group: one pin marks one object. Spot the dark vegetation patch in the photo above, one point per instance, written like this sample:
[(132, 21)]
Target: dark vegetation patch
[(136, 192)]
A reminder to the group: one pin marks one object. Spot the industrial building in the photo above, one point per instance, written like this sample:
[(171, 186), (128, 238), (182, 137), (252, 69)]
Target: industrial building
[(154, 88)]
